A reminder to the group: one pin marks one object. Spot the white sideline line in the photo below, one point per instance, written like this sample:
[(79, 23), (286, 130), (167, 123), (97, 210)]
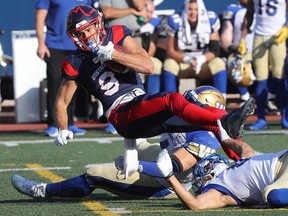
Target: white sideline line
[(109, 140), (103, 140), (31, 169), (100, 140), (266, 132)]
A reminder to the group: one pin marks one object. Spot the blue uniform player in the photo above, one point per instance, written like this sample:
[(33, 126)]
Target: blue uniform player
[(253, 180), (239, 67), (107, 64), (193, 48)]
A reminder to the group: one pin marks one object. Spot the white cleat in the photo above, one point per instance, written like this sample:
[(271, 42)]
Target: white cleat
[(36, 190)]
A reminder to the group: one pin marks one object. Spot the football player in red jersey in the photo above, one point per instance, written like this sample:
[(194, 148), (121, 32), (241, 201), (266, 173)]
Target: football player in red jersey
[(107, 64), (186, 149)]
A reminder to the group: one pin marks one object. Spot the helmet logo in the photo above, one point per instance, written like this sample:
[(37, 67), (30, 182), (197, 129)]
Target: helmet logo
[(83, 22), (77, 9)]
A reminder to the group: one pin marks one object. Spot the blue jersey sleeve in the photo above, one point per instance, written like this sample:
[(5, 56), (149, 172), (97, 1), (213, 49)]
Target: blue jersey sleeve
[(206, 138), (173, 21), (230, 11), (214, 21), (42, 4)]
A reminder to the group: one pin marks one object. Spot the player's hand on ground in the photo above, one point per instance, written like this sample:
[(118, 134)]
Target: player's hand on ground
[(62, 137), (223, 133), (164, 163)]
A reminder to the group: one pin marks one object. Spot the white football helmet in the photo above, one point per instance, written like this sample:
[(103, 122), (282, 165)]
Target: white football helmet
[(207, 169), (240, 70)]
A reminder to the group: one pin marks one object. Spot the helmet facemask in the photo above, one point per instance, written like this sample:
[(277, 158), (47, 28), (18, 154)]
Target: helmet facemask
[(207, 169), (83, 18)]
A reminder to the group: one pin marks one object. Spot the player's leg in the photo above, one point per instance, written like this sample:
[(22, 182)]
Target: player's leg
[(277, 57), (145, 115), (135, 186), (260, 62), (169, 75), (219, 75), (104, 177), (276, 193), (153, 81), (76, 187)]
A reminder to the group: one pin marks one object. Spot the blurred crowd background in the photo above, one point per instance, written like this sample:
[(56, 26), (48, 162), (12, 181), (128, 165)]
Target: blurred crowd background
[(20, 15)]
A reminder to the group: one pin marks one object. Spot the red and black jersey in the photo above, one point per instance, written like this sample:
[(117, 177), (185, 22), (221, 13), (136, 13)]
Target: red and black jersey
[(97, 78)]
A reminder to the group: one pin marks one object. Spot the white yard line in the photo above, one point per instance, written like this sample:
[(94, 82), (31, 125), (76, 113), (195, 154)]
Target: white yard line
[(100, 140), (103, 140), (34, 169)]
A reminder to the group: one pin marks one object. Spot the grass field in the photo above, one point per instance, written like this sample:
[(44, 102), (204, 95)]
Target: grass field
[(34, 156)]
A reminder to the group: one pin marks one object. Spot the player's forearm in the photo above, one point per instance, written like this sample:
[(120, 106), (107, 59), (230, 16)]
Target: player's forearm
[(241, 148), (136, 61), (225, 43), (245, 27), (61, 118), (248, 19), (185, 196), (139, 4), (61, 115), (176, 55), (115, 13)]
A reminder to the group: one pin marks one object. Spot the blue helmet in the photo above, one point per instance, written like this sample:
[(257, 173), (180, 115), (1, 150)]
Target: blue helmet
[(206, 169)]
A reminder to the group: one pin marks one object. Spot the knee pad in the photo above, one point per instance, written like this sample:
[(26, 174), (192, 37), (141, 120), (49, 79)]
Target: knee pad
[(157, 66), (216, 65), (170, 65)]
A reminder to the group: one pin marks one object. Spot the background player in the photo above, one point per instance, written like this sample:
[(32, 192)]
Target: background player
[(193, 47)]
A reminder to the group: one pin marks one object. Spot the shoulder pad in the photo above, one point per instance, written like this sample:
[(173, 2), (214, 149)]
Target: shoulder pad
[(214, 21), (230, 11)]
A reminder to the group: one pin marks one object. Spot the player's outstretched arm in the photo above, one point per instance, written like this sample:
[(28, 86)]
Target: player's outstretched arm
[(241, 148), (208, 200), (65, 94), (211, 199)]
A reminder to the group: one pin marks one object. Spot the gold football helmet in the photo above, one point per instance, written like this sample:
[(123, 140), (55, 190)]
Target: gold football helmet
[(240, 70), (206, 95)]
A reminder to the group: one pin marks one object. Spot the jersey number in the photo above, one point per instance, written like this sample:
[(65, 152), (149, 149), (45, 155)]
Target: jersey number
[(108, 83), (270, 8)]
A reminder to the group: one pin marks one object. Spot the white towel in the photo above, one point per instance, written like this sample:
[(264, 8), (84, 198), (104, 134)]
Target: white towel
[(203, 28)]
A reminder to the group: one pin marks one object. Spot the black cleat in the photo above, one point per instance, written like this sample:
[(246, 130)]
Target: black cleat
[(233, 122)]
